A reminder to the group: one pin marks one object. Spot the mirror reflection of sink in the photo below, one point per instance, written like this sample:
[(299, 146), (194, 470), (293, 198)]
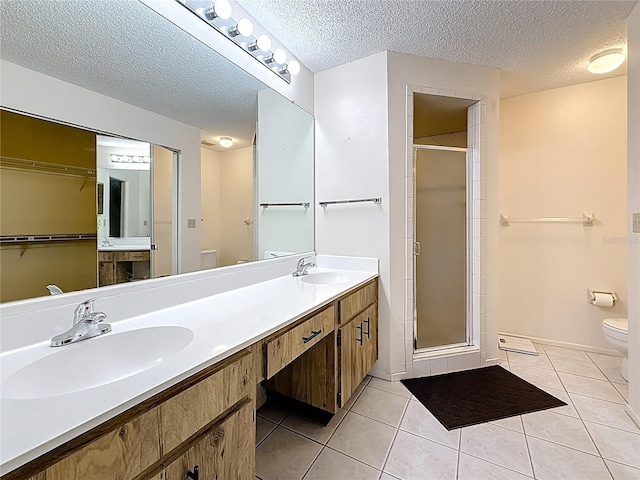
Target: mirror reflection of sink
[(95, 362), (322, 278)]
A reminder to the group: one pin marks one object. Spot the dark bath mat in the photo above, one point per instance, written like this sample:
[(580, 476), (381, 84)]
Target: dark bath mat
[(470, 397)]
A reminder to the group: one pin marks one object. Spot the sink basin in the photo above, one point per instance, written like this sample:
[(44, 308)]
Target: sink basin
[(95, 362), (322, 278)]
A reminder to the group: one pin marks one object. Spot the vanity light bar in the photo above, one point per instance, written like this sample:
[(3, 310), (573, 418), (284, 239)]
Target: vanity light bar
[(130, 159), (217, 14)]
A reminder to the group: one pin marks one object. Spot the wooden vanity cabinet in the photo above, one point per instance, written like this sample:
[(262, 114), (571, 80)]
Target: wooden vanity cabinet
[(357, 351), (357, 338), (207, 419), (122, 266), (326, 375), (225, 451)]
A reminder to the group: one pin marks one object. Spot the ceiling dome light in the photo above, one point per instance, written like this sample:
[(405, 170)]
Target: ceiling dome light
[(221, 9), (225, 142), (263, 43), (244, 27), (606, 61), (293, 67)]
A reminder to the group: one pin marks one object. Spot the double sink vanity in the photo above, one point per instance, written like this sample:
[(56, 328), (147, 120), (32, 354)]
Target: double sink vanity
[(170, 392)]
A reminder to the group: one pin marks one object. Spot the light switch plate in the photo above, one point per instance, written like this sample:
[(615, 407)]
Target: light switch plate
[(636, 223), (191, 223)]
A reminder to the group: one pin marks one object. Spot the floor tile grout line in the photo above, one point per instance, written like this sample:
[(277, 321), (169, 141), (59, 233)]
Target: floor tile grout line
[(392, 393), (385, 423), (312, 463), (494, 463), (599, 422), (567, 446), (395, 435), (351, 457), (526, 442)]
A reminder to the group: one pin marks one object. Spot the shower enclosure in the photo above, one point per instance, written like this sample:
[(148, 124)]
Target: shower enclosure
[(441, 248)]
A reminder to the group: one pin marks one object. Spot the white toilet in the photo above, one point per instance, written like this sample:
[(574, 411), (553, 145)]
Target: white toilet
[(616, 332)]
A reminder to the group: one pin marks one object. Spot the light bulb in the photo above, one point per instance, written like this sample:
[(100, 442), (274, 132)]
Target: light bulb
[(293, 67), (244, 27), (606, 61), (221, 9), (278, 56), (114, 158), (263, 43), (225, 142)]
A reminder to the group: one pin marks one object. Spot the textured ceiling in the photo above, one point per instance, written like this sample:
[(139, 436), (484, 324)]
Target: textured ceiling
[(538, 44), (123, 49)]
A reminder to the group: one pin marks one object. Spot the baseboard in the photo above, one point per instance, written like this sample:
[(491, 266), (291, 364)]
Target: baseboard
[(380, 374), (634, 416), (573, 346)]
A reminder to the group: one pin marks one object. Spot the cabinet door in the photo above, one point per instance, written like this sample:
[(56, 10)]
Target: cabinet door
[(119, 455), (358, 350), (225, 452)]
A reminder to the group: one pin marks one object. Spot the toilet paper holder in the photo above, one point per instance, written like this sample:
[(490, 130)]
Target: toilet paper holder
[(591, 295)]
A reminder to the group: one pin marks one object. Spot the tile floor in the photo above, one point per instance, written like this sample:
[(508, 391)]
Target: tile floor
[(383, 433)]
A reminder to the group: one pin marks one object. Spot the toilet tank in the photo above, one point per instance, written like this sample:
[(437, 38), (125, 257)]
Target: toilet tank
[(208, 259)]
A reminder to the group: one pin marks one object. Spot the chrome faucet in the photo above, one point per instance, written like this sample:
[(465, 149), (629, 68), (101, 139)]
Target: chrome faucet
[(86, 324), (303, 267)]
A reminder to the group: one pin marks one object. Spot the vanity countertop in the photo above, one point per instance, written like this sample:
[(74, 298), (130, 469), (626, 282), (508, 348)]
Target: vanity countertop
[(126, 248), (222, 325)]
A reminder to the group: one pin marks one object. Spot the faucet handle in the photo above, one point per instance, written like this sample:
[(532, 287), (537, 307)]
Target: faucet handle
[(83, 310)]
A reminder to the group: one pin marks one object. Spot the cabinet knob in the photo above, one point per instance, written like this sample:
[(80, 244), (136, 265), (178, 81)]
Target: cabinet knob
[(359, 339), (195, 474)]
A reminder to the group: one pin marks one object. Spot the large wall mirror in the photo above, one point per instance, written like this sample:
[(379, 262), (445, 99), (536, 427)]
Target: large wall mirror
[(256, 196)]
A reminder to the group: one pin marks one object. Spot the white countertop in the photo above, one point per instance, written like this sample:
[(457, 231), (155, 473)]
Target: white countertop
[(222, 324), (127, 248)]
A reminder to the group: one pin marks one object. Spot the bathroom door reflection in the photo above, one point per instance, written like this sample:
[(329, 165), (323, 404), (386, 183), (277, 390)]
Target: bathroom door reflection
[(441, 231), (164, 238)]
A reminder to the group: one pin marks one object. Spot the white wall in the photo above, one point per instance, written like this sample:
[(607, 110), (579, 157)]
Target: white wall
[(563, 152), (285, 175), (425, 75), (352, 162), (236, 200), (361, 142), (210, 194), (227, 201), (633, 205), (28, 91)]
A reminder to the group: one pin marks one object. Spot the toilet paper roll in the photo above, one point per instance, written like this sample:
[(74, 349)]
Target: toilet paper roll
[(603, 300)]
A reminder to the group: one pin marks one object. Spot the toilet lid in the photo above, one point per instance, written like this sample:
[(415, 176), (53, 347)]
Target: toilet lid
[(618, 324)]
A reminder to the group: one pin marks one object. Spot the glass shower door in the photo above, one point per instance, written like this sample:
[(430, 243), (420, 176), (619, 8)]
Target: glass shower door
[(441, 232)]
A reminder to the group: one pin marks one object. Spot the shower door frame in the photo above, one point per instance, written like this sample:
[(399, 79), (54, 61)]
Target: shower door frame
[(468, 258), (479, 351)]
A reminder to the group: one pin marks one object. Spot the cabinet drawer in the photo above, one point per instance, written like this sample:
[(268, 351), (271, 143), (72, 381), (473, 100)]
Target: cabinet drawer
[(133, 256), (357, 301), (285, 348), (105, 256), (184, 414), (120, 455)]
